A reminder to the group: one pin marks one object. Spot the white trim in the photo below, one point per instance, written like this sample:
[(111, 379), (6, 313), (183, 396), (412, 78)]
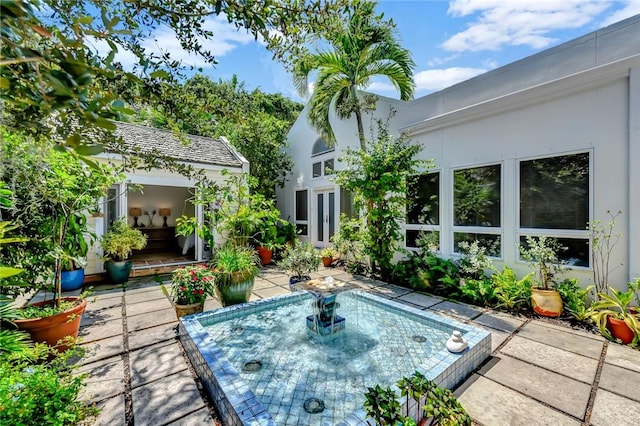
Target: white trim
[(553, 89)]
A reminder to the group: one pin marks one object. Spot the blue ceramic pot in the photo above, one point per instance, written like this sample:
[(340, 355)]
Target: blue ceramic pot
[(118, 271), (72, 280)]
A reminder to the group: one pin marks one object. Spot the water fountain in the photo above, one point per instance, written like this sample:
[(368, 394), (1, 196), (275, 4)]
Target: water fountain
[(270, 363)]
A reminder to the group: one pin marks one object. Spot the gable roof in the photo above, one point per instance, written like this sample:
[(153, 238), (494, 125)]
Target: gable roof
[(201, 149)]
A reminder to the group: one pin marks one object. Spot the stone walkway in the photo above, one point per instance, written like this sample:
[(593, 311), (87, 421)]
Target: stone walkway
[(539, 373)]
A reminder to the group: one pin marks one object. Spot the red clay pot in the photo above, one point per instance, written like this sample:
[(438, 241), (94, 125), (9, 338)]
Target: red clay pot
[(51, 329), (620, 330), (327, 261), (265, 255)]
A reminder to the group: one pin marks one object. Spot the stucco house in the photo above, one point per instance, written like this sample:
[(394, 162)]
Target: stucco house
[(553, 141), (145, 198)]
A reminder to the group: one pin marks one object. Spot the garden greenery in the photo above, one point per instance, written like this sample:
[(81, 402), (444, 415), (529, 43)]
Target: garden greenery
[(377, 178)]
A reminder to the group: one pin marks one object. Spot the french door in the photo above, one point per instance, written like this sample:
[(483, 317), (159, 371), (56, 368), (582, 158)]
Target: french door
[(325, 217)]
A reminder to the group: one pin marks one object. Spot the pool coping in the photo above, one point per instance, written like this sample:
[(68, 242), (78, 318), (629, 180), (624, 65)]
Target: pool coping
[(238, 405)]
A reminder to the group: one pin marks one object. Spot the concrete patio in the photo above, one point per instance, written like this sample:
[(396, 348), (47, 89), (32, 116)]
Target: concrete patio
[(539, 373)]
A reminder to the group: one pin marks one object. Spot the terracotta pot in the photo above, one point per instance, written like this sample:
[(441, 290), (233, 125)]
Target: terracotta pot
[(327, 261), (547, 303), (51, 329), (194, 308), (265, 255), (620, 330)]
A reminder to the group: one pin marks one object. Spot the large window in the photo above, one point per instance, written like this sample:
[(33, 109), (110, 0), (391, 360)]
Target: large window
[(302, 212), (423, 209), (322, 168), (477, 207), (554, 202)]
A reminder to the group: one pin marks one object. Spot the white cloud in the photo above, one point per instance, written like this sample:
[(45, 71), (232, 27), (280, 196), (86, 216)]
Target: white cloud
[(631, 8), (226, 38), (437, 79), (501, 23)]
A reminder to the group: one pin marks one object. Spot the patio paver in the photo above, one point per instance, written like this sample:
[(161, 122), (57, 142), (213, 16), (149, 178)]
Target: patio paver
[(507, 390)]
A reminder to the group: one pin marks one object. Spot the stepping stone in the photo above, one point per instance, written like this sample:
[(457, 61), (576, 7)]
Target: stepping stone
[(151, 319), (490, 403), (212, 304), (458, 309), (101, 315), (623, 356), (561, 392), (169, 399), (100, 330), (497, 337), (390, 291), (621, 381), (262, 283), (499, 321), (106, 379), (154, 362), (611, 409), (271, 292), (553, 359), (99, 304), (149, 336), (148, 306), (572, 342), (111, 412), (144, 296), (102, 349), (419, 299), (200, 417)]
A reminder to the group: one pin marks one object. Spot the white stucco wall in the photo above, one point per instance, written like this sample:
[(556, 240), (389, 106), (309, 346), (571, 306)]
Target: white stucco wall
[(582, 96)]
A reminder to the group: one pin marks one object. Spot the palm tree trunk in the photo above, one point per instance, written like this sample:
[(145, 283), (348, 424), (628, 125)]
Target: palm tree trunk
[(363, 144)]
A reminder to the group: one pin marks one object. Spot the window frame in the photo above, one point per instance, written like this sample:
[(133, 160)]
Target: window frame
[(297, 221), (426, 227), (483, 230), (574, 234)]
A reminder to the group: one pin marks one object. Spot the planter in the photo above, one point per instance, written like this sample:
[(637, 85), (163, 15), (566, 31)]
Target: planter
[(234, 288), (194, 308), (327, 261), (265, 255), (118, 271), (51, 329), (620, 330), (547, 303), (72, 280)]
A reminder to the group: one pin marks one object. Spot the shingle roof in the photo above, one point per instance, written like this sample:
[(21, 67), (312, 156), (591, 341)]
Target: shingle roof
[(200, 149)]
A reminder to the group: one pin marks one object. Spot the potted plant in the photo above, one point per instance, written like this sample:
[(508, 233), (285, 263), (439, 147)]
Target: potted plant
[(541, 253), (300, 260), (190, 287), (266, 237), (328, 256), (613, 317), (235, 268), (74, 252), (118, 244)]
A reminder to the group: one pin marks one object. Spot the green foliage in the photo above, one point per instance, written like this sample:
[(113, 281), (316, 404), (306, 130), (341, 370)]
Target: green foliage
[(480, 292), (40, 386), (11, 339), (191, 284), (46, 310), (473, 262), (381, 404), (329, 252), (378, 180), (511, 293), (616, 304), (442, 407), (300, 260), (120, 241), (348, 241), (542, 254), (362, 47), (603, 240), (634, 286), (53, 81), (230, 258), (575, 299)]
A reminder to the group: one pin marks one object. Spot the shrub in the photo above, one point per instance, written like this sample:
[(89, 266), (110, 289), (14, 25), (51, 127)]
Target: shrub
[(119, 242), (191, 284), (575, 299), (300, 260), (511, 293)]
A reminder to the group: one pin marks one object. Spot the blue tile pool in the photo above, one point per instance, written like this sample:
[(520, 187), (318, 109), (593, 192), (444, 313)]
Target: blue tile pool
[(263, 366)]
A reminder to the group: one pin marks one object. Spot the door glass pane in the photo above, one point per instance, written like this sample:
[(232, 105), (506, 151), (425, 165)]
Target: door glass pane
[(301, 205), (423, 199), (476, 196), (111, 207), (554, 192), (320, 233), (346, 203), (331, 214)]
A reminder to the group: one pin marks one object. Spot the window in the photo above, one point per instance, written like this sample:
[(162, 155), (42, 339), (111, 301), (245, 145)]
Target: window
[(320, 147), (317, 169), (423, 208), (323, 168), (477, 207), (302, 212), (328, 167), (554, 202), (347, 206)]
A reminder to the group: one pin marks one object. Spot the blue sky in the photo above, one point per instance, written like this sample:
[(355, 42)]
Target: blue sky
[(450, 41)]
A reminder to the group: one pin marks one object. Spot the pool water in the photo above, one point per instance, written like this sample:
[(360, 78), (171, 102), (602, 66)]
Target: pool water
[(263, 366)]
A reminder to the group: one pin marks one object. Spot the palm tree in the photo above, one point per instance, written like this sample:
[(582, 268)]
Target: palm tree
[(364, 48)]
